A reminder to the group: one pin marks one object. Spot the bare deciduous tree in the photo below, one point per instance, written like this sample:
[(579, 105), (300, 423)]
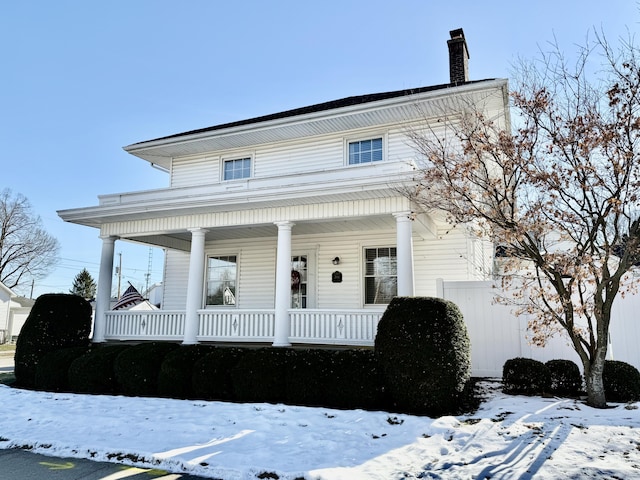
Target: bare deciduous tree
[(27, 251), (558, 193)]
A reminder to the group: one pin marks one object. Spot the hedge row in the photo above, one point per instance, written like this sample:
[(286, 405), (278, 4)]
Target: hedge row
[(332, 378), (525, 376), (420, 364)]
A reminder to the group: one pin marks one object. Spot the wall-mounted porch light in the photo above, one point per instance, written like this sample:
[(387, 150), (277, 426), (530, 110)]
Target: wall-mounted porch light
[(336, 261)]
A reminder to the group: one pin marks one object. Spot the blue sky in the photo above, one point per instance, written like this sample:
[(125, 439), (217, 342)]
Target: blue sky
[(82, 79)]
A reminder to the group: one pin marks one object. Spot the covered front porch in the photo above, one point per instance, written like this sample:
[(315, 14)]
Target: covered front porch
[(306, 326), (258, 236)]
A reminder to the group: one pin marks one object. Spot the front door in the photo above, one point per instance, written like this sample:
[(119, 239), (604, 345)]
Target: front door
[(300, 281)]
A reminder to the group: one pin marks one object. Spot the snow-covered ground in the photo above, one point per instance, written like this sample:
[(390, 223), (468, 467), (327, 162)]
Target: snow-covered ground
[(509, 437)]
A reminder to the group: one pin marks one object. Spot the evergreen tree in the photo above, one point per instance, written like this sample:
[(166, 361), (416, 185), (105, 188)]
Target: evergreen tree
[(84, 285)]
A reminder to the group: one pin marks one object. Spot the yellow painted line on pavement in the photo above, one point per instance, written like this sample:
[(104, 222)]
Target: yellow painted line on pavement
[(57, 466)]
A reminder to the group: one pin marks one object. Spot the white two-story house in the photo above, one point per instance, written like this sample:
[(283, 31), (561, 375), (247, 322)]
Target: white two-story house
[(291, 227)]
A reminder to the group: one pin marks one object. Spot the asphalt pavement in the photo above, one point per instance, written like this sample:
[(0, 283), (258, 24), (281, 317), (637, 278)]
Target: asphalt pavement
[(6, 362), (25, 465)]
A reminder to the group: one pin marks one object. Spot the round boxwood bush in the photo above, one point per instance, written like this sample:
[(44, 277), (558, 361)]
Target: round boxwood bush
[(211, 377), (423, 348), (56, 321), (261, 375), (52, 373), (176, 370), (525, 376), (137, 368), (621, 381), (93, 372), (565, 378)]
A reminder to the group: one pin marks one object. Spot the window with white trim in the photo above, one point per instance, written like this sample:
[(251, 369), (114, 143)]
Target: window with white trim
[(236, 168), (365, 151), (381, 275), (222, 273)]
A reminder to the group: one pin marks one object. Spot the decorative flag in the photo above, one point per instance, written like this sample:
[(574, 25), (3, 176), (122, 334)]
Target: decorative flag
[(129, 298)]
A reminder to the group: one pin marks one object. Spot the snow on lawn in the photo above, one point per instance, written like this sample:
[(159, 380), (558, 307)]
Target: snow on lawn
[(508, 437)]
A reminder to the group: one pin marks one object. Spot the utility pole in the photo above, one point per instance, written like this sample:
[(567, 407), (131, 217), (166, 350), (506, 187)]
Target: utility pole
[(148, 274)]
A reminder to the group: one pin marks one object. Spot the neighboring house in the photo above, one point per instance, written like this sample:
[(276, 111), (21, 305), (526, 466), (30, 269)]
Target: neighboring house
[(291, 227), (20, 310), (14, 311), (6, 295)]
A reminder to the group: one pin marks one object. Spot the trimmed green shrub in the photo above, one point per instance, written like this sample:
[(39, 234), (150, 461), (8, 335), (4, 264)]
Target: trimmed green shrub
[(358, 381), (93, 372), (174, 379), (525, 376), (621, 381), (137, 368), (261, 375), (211, 377), (52, 373), (56, 321), (336, 378), (565, 378), (312, 374), (424, 351)]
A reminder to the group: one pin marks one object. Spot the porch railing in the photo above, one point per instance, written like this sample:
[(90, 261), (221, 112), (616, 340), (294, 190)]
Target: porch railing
[(330, 327), (236, 325), (142, 325), (337, 327)]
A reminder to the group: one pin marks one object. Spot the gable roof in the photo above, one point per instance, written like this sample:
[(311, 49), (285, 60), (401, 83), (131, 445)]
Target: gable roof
[(7, 290)]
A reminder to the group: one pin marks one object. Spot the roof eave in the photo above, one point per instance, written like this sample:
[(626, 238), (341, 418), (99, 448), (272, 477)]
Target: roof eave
[(159, 151)]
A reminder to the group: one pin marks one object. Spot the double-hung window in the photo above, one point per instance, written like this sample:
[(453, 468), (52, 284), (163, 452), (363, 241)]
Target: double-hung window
[(221, 280), (236, 168), (381, 275), (365, 151)]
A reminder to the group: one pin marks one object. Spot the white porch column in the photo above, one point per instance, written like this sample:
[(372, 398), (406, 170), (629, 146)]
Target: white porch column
[(404, 244), (195, 286), (103, 294), (283, 285)]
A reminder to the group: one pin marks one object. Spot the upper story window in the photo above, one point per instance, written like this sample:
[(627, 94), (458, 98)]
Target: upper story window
[(365, 151), (236, 168)]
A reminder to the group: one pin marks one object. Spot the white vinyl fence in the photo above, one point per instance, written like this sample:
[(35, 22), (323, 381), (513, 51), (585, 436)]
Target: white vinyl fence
[(497, 335)]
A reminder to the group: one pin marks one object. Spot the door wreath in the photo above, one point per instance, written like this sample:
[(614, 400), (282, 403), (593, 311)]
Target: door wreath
[(295, 280)]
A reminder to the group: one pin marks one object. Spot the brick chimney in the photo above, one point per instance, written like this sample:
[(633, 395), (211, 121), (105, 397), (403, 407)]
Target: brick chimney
[(458, 57)]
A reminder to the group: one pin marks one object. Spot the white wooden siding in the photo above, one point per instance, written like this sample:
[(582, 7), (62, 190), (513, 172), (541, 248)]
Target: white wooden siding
[(399, 147), (442, 257), (176, 275), (192, 171), (317, 153), (445, 256)]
